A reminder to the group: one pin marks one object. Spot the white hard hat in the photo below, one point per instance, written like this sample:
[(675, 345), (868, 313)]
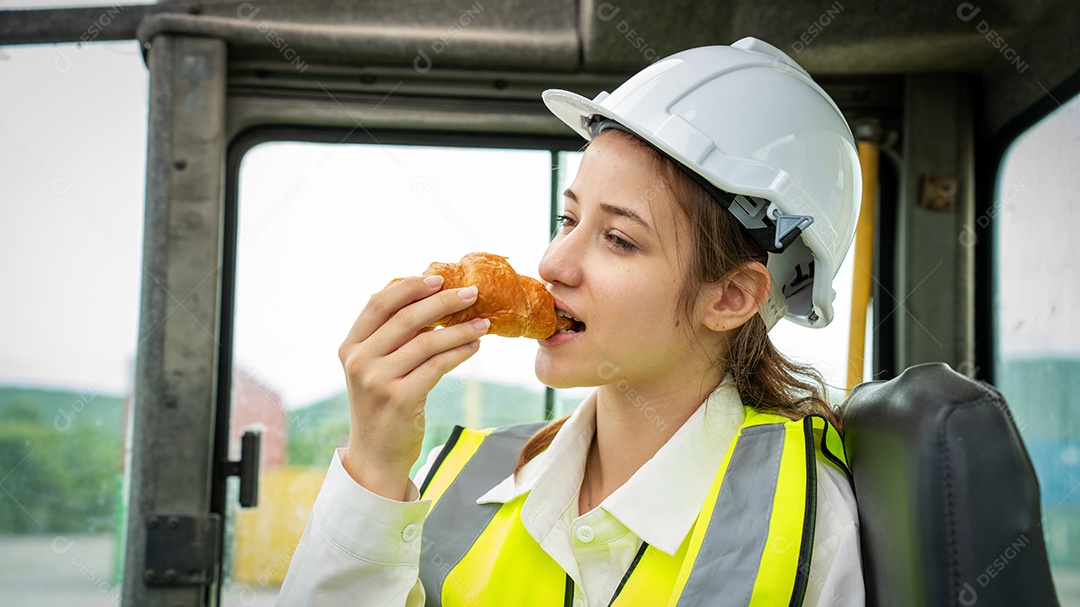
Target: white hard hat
[(757, 132)]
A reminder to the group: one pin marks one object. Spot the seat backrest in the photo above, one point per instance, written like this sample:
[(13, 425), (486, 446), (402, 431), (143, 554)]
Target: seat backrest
[(948, 500)]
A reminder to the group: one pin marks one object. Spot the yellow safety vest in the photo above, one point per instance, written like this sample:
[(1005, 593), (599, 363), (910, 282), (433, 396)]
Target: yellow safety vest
[(750, 546)]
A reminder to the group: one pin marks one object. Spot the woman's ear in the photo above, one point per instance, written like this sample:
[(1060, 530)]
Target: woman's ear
[(735, 299)]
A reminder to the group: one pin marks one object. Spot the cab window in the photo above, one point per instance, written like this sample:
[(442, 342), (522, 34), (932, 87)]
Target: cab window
[(1033, 222)]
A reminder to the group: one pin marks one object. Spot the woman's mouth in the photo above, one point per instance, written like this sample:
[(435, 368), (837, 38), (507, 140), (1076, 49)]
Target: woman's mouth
[(567, 334), (577, 325)]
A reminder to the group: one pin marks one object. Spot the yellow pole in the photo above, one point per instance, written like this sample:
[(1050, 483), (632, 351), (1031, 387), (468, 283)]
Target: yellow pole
[(869, 156)]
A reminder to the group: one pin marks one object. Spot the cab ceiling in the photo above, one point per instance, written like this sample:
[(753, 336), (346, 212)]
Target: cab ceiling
[(1021, 52)]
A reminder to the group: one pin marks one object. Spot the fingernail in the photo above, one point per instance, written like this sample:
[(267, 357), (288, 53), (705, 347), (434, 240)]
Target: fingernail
[(433, 281), (467, 292), (481, 324)]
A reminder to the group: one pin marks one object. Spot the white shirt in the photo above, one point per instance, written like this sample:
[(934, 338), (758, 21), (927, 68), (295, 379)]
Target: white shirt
[(360, 548)]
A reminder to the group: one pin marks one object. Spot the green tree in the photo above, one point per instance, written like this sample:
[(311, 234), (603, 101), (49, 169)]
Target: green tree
[(54, 481)]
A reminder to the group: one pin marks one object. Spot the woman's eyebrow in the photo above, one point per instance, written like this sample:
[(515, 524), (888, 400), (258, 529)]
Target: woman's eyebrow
[(611, 209)]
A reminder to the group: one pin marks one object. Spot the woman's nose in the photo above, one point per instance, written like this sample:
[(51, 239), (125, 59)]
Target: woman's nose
[(561, 262)]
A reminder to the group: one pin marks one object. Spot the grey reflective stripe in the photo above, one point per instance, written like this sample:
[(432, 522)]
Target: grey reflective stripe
[(457, 520), (727, 562)]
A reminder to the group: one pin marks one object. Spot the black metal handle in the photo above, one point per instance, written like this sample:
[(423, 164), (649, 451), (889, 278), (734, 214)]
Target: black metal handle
[(247, 468)]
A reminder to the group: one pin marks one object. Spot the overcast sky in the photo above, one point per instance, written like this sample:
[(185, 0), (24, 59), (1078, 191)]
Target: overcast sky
[(322, 228)]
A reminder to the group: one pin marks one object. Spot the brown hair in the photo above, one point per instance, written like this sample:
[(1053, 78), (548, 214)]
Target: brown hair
[(766, 380)]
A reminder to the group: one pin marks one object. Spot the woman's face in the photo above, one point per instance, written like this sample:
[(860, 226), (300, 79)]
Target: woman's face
[(618, 276)]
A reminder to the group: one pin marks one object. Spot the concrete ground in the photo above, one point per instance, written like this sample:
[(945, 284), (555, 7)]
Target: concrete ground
[(66, 570), (56, 570)]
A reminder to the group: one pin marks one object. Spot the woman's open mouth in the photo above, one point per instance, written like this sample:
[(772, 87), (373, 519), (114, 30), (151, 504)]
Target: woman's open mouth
[(577, 327), (565, 334)]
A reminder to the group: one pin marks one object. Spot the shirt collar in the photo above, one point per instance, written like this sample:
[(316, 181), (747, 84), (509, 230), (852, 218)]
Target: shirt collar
[(555, 474), (656, 505)]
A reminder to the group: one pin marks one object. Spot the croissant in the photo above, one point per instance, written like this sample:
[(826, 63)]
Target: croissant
[(517, 306)]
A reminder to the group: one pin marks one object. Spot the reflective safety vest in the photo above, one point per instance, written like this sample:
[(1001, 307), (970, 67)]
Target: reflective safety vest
[(751, 543)]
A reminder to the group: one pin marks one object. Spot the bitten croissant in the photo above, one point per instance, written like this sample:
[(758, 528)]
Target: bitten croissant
[(516, 305)]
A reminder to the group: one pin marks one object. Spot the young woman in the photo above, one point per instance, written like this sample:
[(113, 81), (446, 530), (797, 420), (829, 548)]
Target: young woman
[(716, 195)]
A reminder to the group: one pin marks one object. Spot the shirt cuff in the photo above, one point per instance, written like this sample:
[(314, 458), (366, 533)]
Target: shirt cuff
[(368, 526)]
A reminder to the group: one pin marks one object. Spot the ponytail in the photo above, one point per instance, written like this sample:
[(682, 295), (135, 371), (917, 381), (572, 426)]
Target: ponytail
[(770, 382), (538, 443)]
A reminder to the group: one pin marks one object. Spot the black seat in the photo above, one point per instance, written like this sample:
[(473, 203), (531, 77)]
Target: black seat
[(948, 499)]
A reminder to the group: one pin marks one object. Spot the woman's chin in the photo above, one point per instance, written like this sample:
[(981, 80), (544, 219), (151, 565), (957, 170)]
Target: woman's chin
[(554, 375), (560, 385), (561, 376), (550, 380)]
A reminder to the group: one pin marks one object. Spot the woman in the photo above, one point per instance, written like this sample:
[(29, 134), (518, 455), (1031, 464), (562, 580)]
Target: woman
[(717, 194)]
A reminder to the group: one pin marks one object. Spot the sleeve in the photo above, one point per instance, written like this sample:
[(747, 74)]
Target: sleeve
[(358, 548), (836, 576)]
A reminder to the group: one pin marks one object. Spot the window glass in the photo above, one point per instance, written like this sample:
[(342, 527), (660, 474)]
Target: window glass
[(321, 229), (1034, 216), (72, 165), (826, 349)]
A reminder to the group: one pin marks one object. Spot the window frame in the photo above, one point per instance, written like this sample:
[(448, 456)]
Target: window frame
[(989, 163), (990, 168), (236, 150)]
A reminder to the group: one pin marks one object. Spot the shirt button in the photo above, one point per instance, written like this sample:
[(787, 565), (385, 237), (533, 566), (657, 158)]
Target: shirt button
[(410, 532), (585, 534), (579, 602)]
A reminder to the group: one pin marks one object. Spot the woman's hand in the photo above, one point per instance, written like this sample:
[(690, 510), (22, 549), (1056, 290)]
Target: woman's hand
[(391, 364)]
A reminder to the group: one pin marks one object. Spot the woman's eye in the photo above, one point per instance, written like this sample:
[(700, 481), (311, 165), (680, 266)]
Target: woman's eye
[(566, 223), (620, 243)]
